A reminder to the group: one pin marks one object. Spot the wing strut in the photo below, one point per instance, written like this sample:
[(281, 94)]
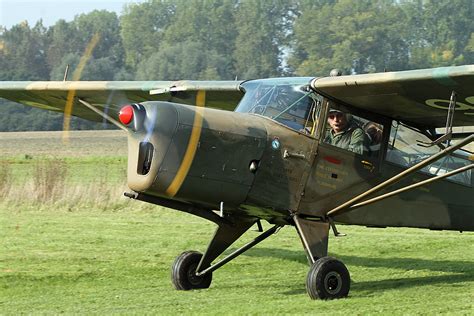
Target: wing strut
[(413, 186), (107, 117), (351, 204), (449, 125)]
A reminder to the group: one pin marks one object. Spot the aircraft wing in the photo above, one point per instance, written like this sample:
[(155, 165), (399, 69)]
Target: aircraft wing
[(110, 96), (420, 97)]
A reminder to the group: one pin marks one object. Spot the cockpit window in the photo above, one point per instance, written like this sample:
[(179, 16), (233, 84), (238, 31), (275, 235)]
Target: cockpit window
[(288, 101)]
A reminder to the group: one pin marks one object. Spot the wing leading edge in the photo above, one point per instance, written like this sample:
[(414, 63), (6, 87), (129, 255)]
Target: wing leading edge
[(110, 96), (419, 97)]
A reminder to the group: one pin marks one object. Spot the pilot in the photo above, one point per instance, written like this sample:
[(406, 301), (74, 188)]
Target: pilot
[(345, 133)]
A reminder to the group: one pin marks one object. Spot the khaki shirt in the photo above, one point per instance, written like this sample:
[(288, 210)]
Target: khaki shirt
[(352, 138)]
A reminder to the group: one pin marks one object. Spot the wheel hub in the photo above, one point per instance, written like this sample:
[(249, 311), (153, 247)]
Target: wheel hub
[(333, 282), (192, 277)]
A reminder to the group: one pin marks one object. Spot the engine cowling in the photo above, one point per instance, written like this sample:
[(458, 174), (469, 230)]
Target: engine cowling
[(193, 154)]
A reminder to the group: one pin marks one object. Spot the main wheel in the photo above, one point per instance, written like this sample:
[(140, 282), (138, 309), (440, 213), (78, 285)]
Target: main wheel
[(328, 278), (183, 272)]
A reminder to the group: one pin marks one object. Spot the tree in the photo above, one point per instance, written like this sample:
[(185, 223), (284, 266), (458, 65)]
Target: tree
[(262, 27), (22, 53), (107, 26), (356, 37), (441, 32), (210, 22), (367, 36), (107, 57), (62, 38), (197, 43), (142, 28), (186, 60)]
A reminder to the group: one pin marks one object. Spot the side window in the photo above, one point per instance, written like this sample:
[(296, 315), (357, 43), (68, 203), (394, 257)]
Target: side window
[(403, 150), (353, 133)]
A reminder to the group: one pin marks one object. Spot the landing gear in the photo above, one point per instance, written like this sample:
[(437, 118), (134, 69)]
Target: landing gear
[(328, 278), (183, 272)]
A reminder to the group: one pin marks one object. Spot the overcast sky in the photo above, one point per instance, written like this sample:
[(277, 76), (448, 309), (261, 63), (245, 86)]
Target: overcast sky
[(15, 11)]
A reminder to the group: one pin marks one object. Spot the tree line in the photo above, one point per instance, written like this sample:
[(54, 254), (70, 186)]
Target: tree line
[(229, 39)]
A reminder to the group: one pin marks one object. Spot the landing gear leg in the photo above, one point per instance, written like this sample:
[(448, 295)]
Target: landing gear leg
[(192, 270), (328, 278)]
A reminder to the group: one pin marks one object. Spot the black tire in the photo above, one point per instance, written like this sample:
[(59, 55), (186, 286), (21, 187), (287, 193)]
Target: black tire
[(183, 272), (328, 278)]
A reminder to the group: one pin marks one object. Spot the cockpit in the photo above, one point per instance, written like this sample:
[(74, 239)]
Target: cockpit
[(289, 101)]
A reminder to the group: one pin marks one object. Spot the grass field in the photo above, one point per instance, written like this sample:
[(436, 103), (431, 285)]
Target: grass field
[(87, 253)]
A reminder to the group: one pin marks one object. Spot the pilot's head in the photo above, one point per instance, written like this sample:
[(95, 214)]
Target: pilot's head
[(337, 120)]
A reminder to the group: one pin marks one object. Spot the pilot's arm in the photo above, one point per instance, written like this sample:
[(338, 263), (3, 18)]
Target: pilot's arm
[(359, 142)]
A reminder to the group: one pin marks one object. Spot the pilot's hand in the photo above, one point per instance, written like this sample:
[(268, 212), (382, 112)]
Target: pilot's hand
[(375, 133), (306, 130)]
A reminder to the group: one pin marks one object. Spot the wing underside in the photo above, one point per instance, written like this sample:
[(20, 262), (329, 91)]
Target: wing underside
[(110, 96), (418, 97)]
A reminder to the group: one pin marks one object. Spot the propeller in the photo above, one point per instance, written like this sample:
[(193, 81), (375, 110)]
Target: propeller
[(76, 77)]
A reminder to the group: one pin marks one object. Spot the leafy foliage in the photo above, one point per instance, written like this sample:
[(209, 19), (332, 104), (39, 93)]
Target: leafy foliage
[(261, 36), (228, 39)]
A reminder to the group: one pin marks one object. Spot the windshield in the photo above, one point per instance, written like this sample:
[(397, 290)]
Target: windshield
[(289, 101)]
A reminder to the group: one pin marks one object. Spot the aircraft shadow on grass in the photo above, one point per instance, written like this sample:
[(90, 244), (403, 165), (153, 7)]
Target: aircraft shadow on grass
[(459, 271)]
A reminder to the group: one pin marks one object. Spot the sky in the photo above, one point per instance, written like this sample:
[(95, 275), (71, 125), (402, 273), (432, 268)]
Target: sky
[(15, 11)]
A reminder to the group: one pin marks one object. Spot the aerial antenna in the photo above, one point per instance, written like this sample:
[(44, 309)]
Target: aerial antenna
[(66, 72)]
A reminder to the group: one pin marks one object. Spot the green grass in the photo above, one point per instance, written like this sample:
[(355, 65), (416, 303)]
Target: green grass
[(80, 169), (96, 261), (91, 251)]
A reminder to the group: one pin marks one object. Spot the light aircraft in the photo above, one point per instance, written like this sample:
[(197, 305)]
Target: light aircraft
[(239, 152)]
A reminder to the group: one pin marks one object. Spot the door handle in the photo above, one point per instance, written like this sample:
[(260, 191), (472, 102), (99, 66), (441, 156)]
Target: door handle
[(287, 154)]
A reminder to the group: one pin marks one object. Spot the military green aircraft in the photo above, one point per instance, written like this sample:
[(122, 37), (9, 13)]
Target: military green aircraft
[(239, 152)]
